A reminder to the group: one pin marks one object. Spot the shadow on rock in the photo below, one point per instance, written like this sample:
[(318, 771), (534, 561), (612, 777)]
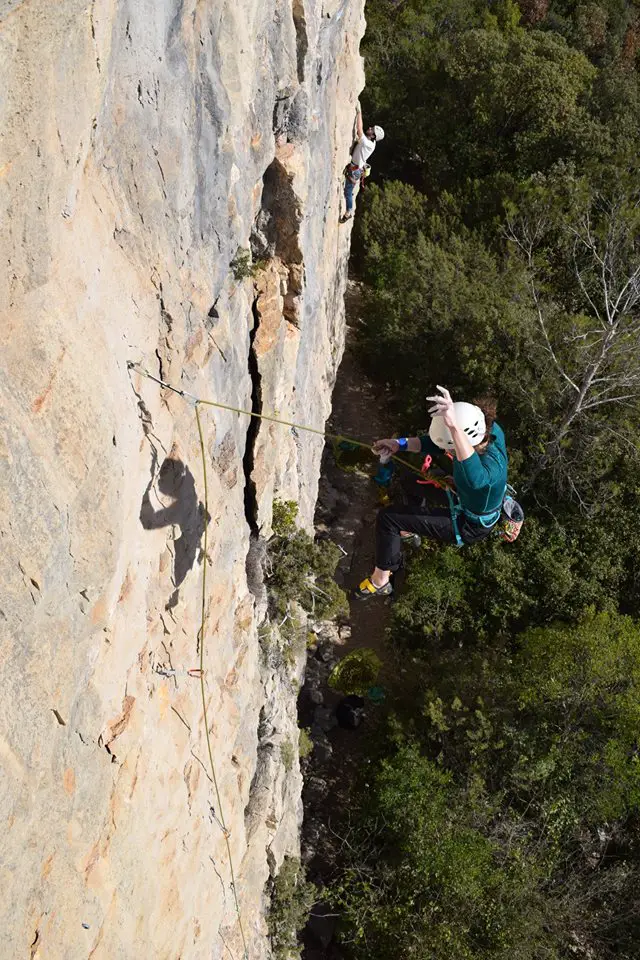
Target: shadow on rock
[(176, 480)]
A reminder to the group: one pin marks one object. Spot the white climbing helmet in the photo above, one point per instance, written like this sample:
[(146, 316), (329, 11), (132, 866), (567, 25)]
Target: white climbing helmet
[(378, 133), (469, 418)]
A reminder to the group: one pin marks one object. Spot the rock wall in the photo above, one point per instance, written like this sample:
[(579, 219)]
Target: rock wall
[(143, 144)]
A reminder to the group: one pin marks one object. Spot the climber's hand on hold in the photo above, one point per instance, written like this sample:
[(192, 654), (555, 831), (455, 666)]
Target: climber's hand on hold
[(443, 407)]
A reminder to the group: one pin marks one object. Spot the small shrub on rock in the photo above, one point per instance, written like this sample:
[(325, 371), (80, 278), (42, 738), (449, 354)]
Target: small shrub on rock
[(301, 569), (305, 744), (292, 898), (288, 755)]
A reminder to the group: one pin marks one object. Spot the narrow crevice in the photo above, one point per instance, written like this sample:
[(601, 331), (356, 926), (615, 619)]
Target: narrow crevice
[(248, 461), (34, 944), (302, 40), (276, 233)]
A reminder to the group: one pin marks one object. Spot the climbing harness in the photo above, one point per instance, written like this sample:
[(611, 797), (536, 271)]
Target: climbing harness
[(486, 520), (353, 173), (507, 519)]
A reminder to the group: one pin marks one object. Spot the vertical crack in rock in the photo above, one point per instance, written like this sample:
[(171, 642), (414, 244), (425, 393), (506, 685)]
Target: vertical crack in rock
[(250, 497), (302, 41), (276, 233), (262, 780)]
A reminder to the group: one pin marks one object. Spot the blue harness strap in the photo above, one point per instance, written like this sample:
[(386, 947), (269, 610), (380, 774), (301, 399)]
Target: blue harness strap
[(454, 510), (486, 520)]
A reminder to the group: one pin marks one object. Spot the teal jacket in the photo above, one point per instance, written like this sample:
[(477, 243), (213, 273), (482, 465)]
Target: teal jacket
[(481, 479)]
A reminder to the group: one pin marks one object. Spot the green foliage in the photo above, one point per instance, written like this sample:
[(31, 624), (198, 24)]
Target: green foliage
[(288, 755), (435, 294), (533, 752), (500, 256), (551, 730), (285, 513), (291, 901), (426, 882), (578, 690), (305, 744), (301, 569), (241, 265), (356, 672), (493, 590)]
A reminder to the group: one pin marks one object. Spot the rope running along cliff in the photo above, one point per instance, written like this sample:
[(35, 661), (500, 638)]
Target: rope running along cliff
[(197, 401)]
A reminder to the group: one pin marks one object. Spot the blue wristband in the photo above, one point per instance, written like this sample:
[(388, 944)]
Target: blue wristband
[(402, 442)]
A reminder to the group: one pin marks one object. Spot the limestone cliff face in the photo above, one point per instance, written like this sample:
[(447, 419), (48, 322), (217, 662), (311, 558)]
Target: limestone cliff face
[(143, 142)]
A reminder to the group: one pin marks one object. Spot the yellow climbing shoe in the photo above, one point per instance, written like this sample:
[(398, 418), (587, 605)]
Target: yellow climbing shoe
[(368, 589)]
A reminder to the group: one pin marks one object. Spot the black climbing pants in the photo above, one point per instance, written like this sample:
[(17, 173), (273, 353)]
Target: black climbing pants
[(430, 518)]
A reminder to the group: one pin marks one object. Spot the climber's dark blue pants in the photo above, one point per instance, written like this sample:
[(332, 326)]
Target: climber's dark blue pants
[(429, 518), (349, 187)]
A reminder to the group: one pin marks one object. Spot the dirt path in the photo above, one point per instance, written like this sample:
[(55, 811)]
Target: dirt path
[(347, 507)]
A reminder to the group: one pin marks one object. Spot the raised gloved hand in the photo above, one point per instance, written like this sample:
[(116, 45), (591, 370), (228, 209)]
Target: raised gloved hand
[(443, 407)]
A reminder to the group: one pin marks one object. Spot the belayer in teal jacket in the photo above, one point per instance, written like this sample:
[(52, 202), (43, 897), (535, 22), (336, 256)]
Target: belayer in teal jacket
[(480, 462)]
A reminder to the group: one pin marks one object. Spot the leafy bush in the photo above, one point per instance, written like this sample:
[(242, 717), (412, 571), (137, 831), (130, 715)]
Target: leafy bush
[(284, 515), (288, 755), (301, 569), (305, 744), (291, 901), (553, 571), (552, 727), (356, 672), (424, 881), (241, 265)]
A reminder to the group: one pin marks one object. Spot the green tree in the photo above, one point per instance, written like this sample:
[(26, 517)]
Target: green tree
[(437, 300), (425, 882)]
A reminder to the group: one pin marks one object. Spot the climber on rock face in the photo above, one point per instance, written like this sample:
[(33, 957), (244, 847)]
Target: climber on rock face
[(355, 170), (480, 463)]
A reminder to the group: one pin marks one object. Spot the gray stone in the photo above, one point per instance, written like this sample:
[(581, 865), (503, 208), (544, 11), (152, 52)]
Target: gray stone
[(325, 651), (324, 718), (315, 790), (322, 749)]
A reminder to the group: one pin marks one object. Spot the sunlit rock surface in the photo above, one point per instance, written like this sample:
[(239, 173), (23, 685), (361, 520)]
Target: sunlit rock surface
[(142, 144)]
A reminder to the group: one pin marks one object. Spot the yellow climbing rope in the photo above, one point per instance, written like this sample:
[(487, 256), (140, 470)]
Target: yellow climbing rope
[(203, 613), (201, 634), (268, 416)]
